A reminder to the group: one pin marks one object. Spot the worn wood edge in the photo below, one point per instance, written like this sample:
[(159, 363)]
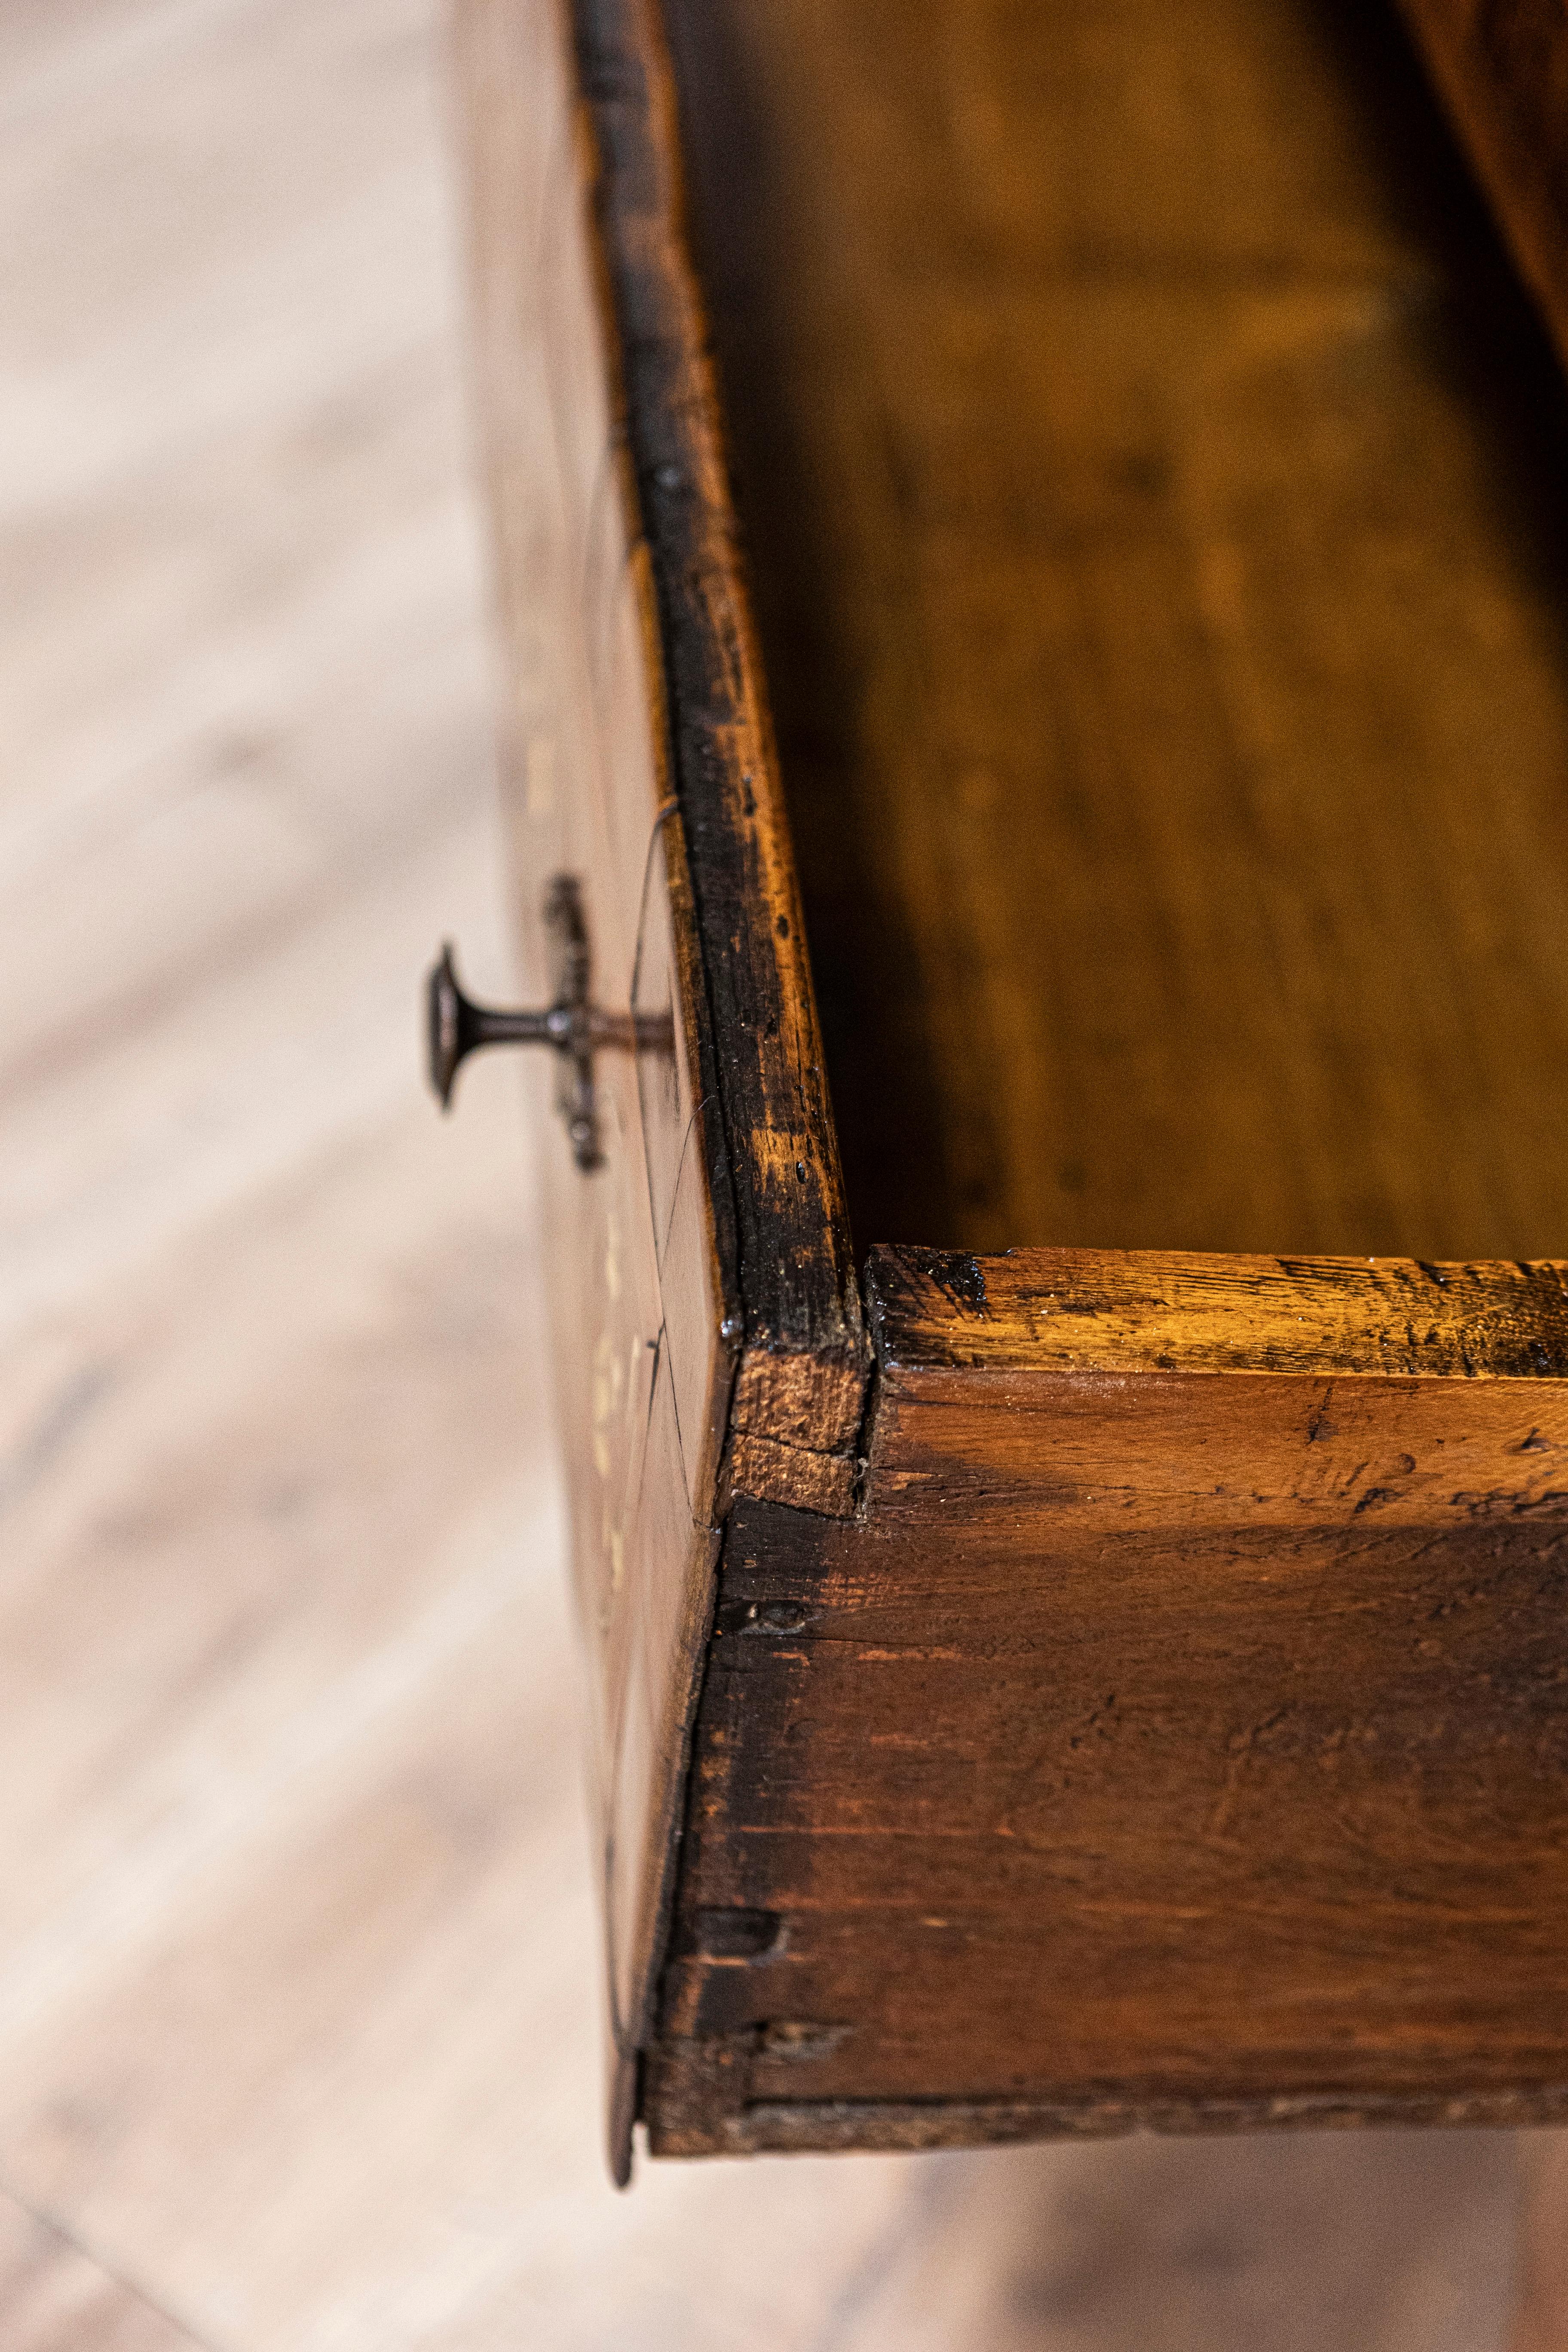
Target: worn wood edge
[(834, 2125), (1060, 1311), (1501, 108), (794, 1266), (799, 1401), (795, 1431)]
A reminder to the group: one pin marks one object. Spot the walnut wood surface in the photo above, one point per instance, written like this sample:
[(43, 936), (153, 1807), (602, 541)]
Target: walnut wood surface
[(1178, 1738), (1155, 482)]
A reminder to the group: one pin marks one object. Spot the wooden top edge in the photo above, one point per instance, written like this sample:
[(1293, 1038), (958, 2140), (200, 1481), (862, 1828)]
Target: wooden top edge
[(1055, 1311), (794, 1263)]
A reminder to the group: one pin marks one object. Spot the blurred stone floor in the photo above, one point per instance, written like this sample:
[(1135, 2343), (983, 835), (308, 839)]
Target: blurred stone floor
[(298, 1963)]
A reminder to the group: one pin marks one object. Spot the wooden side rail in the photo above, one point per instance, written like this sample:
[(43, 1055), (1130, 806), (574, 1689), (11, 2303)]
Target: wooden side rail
[(1180, 1735)]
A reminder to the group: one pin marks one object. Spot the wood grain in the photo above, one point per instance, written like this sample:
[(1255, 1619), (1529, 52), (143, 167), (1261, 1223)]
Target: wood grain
[(1175, 1740), (1151, 472), (1141, 1311)]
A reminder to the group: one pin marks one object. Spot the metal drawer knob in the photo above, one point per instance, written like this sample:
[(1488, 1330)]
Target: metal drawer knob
[(572, 1026)]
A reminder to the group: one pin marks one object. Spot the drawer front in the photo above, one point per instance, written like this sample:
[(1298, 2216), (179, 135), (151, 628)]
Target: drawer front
[(700, 1273), (641, 1395), (1502, 72)]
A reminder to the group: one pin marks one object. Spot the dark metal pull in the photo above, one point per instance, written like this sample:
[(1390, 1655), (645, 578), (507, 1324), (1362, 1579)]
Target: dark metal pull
[(572, 1026)]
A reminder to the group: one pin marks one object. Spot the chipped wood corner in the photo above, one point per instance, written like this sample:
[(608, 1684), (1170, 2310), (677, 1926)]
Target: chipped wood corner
[(794, 1424)]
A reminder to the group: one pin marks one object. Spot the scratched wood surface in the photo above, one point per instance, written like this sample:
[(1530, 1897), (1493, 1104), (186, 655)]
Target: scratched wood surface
[(299, 2008), (1179, 1733), (1154, 483)]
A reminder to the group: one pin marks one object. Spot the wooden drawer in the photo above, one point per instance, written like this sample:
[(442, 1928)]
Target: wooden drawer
[(1098, 1657)]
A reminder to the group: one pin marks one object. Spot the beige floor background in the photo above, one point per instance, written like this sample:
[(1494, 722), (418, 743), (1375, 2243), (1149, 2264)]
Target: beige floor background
[(298, 1965)]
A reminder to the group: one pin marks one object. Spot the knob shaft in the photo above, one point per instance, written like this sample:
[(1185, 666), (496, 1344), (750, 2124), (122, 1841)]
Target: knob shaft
[(459, 1027)]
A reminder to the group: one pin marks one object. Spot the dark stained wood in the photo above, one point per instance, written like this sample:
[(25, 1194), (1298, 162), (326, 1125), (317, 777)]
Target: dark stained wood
[(1179, 1736), (1155, 482), (778, 1169), (1502, 68)]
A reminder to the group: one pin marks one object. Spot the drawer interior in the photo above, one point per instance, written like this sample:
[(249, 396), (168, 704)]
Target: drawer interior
[(1156, 487)]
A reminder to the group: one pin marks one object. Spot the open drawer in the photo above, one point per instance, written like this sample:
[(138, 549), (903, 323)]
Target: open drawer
[(1101, 1656)]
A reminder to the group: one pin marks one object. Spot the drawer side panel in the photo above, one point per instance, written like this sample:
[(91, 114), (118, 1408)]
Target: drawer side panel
[(1179, 1737)]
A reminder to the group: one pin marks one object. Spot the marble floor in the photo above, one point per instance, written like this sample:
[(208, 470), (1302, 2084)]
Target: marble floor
[(298, 1966)]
